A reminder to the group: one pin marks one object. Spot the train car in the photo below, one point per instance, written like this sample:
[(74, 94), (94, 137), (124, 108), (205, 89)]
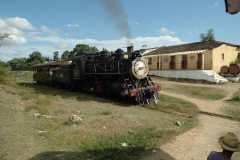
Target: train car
[(109, 74), (41, 72)]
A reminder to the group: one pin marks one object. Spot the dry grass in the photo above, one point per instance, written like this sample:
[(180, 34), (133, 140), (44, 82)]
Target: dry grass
[(234, 101), (106, 124), (207, 93), (44, 100)]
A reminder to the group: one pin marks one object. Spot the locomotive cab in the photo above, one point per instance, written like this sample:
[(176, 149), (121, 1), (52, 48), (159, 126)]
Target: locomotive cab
[(78, 67)]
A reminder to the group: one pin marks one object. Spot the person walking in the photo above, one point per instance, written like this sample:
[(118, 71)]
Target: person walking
[(229, 144)]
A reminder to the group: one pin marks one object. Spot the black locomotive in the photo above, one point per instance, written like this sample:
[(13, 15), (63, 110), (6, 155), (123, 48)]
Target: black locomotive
[(107, 73)]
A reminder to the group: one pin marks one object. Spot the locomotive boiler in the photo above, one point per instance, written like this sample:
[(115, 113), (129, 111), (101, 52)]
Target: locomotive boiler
[(110, 74)]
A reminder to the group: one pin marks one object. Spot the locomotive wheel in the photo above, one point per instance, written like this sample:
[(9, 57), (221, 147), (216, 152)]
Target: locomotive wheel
[(136, 100)]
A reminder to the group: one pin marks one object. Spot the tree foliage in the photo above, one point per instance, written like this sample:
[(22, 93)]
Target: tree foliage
[(83, 48), (3, 73), (71, 54), (65, 56), (36, 57), (26, 63), (56, 56), (207, 37)]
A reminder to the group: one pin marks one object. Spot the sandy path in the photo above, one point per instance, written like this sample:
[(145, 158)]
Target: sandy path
[(197, 143), (207, 105)]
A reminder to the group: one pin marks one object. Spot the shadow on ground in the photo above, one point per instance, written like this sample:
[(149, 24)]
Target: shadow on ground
[(109, 154), (66, 94)]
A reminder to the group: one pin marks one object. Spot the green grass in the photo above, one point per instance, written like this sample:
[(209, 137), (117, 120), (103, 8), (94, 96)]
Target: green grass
[(105, 125), (38, 109), (233, 112), (175, 105), (234, 100), (208, 93), (106, 112)]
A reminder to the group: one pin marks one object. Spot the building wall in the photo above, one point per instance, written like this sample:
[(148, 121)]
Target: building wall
[(166, 62), (152, 62), (208, 60), (213, 59), (223, 55), (178, 61), (192, 61)]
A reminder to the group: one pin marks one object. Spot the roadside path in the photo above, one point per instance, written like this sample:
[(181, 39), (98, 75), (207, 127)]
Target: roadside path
[(198, 142)]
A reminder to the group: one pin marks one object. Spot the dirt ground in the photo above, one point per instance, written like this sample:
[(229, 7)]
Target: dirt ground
[(197, 143)]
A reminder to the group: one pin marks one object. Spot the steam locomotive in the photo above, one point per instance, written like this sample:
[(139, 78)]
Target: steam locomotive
[(105, 73)]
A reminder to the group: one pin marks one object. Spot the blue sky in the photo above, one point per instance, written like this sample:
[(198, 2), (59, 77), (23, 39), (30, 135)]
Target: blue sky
[(58, 25)]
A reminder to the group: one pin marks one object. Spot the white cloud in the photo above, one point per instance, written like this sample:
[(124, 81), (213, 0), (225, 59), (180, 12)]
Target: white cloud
[(137, 23), (16, 36), (72, 25), (52, 42), (164, 31), (216, 3), (15, 39), (20, 23), (48, 30), (4, 28), (60, 45), (69, 43)]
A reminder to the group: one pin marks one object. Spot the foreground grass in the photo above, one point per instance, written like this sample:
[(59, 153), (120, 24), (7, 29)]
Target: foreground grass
[(234, 101), (109, 130), (208, 93), (175, 105)]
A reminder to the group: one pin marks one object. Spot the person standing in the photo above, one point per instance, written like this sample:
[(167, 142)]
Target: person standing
[(229, 144)]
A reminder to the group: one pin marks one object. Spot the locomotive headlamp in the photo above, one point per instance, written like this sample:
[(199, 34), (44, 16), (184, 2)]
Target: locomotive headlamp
[(140, 68)]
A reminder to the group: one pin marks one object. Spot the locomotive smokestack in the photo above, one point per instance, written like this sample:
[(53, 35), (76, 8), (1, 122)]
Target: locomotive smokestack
[(130, 50)]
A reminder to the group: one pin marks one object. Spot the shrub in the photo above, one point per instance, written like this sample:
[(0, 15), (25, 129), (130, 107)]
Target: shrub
[(3, 71), (3, 74), (235, 62)]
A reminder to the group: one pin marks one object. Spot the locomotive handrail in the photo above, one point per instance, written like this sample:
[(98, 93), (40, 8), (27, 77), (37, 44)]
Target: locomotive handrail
[(105, 69)]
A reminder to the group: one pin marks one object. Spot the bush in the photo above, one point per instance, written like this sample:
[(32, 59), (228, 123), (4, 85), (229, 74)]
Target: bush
[(235, 62), (3, 71), (3, 74)]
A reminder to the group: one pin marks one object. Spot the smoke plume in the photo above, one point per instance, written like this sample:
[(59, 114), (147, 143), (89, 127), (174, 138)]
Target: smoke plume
[(116, 13)]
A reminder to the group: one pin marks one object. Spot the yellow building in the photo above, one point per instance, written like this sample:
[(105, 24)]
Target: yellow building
[(193, 56), (200, 60)]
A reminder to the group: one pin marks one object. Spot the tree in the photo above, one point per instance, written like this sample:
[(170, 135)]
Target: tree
[(71, 54), (35, 57), (5, 35), (56, 56), (207, 37), (83, 48), (19, 64), (47, 59), (65, 55)]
